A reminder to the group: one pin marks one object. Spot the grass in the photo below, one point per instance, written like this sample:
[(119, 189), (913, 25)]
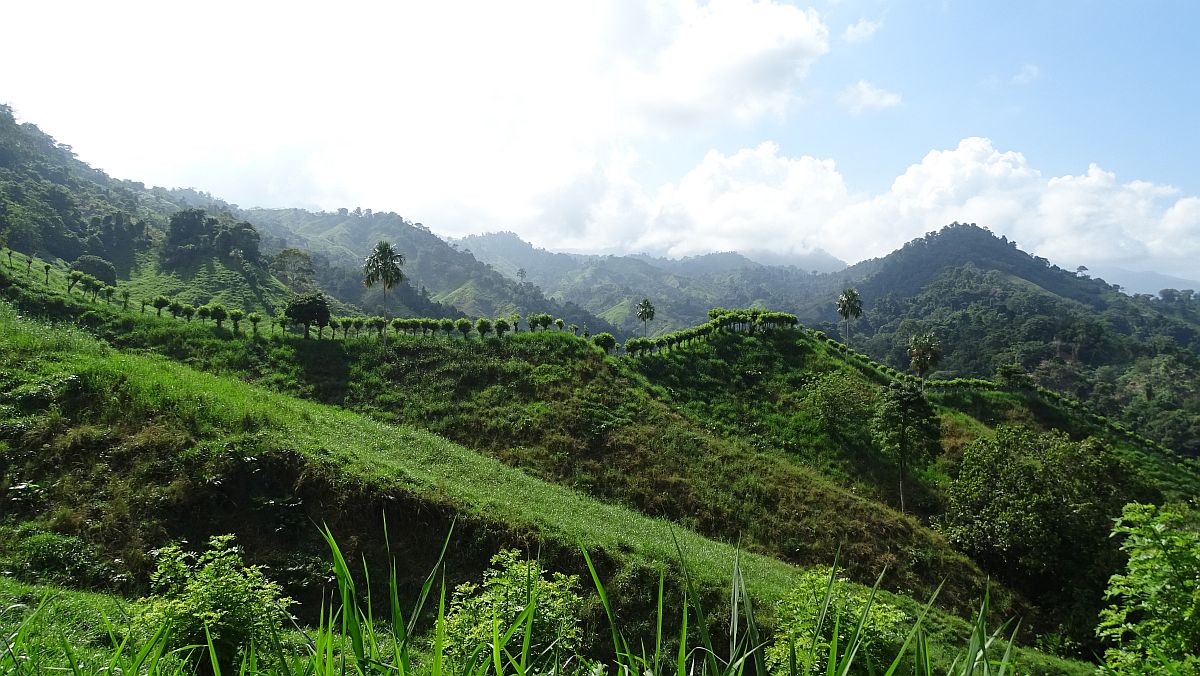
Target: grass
[(45, 629), (88, 383), (554, 406)]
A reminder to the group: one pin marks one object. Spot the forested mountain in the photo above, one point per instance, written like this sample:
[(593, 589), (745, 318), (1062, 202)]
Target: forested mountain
[(682, 290), (987, 302), (442, 273), (990, 304)]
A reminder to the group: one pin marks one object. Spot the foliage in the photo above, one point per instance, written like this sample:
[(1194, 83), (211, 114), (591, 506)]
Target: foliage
[(513, 586), (307, 310), (382, 267), (96, 267), (906, 429), (645, 314), (1035, 509), (798, 614), (211, 595), (924, 351), (605, 341), (1154, 620)]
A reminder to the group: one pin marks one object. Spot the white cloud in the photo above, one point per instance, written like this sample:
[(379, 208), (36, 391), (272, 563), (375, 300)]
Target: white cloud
[(861, 31), (1028, 73), (863, 95), (758, 198)]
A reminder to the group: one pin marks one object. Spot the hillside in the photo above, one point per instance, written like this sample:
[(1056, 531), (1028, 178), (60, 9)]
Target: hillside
[(711, 435), (1135, 358), (989, 304), (210, 454), (343, 238), (682, 290)]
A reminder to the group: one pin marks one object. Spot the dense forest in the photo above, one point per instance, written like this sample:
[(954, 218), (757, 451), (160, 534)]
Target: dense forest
[(213, 419)]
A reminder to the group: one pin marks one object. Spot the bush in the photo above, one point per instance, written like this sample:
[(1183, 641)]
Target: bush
[(96, 267), (215, 589), (1155, 616), (61, 559), (508, 586), (798, 612)]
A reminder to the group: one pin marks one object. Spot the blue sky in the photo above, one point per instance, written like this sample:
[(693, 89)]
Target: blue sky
[(673, 126)]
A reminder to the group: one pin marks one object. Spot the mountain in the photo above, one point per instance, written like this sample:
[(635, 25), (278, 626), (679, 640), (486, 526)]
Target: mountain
[(682, 290), (1143, 281), (989, 304), (443, 273)]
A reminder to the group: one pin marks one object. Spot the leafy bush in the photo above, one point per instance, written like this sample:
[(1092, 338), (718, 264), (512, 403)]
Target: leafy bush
[(1156, 614), (61, 559), (797, 615), (215, 589), (508, 589)]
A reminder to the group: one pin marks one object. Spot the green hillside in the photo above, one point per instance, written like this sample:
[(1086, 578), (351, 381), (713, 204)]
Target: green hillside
[(211, 454), (739, 437), (449, 275)]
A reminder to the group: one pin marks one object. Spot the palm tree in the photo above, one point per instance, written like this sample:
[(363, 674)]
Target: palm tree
[(924, 351), (849, 304), (645, 314), (383, 267)]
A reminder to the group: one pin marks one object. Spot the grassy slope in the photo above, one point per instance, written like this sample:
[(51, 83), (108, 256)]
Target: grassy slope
[(212, 280), (53, 367), (552, 405)]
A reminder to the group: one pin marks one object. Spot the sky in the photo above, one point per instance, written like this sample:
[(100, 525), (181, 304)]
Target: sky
[(675, 127)]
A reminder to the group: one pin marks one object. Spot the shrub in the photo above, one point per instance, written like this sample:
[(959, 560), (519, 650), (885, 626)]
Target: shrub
[(508, 588), (1155, 615), (61, 559), (215, 589), (798, 612)]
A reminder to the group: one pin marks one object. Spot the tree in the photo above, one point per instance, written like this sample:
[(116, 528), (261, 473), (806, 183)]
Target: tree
[(96, 267), (501, 327), (73, 278), (645, 314), (483, 326), (159, 303), (46, 267), (309, 309), (254, 318), (558, 323), (382, 267), (464, 326), (849, 305), (606, 341), (125, 298), (236, 315), (906, 429), (187, 311), (175, 308), (515, 319), (1036, 508), (924, 352), (1155, 612), (294, 268), (521, 274), (334, 325), (219, 313), (204, 312)]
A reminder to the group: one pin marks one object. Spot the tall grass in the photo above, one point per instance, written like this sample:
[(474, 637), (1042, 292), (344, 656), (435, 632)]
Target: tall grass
[(350, 640)]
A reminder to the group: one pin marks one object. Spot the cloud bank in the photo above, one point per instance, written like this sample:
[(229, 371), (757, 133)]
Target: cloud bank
[(758, 198)]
